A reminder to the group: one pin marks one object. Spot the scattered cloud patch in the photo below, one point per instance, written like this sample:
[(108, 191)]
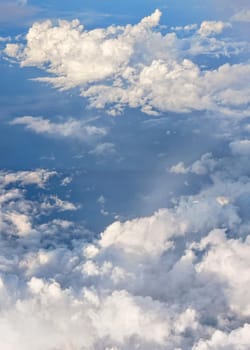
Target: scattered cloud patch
[(71, 128), (208, 28), (241, 148), (200, 167), (241, 16), (103, 149), (37, 177)]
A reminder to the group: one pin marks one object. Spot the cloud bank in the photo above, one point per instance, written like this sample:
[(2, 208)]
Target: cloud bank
[(178, 279)]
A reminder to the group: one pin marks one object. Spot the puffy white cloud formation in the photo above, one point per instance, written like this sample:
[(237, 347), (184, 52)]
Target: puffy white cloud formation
[(200, 167), (137, 66), (37, 177), (208, 28), (178, 279), (70, 128)]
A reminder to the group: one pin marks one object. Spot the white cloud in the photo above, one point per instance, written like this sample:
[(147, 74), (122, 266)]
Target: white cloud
[(200, 167), (17, 212), (37, 177), (137, 66), (4, 38), (232, 256), (22, 222), (208, 28), (104, 149), (223, 200), (66, 181), (53, 202), (150, 282), (101, 200), (176, 279), (179, 169), (237, 339), (69, 128), (187, 27)]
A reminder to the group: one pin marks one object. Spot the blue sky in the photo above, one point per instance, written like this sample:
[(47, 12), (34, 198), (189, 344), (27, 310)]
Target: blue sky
[(124, 175)]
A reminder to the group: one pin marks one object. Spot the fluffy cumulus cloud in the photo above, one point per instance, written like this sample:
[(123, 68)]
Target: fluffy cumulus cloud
[(178, 279), (208, 28), (200, 167), (138, 66)]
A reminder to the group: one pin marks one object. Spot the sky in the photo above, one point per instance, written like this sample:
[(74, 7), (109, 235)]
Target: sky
[(124, 175)]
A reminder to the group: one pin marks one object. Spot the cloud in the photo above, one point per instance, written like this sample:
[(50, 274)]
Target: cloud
[(4, 39), (18, 213), (179, 169), (71, 128), (37, 177), (241, 16), (137, 66), (222, 341), (208, 28), (241, 147), (200, 167), (53, 202), (150, 282), (16, 12), (104, 149), (177, 278)]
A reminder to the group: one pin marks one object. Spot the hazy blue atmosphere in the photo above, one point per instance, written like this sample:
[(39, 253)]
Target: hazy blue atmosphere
[(124, 175)]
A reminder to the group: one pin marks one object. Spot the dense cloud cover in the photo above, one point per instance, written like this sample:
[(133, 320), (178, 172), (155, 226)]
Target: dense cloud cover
[(178, 279), (174, 280)]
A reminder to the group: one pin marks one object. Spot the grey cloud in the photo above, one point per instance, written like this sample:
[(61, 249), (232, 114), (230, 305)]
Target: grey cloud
[(16, 12)]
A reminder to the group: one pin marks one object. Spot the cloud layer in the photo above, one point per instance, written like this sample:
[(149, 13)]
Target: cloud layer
[(167, 281), (177, 279)]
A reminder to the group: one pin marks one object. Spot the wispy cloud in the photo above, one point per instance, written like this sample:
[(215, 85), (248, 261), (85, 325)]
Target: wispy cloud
[(16, 12), (69, 129)]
